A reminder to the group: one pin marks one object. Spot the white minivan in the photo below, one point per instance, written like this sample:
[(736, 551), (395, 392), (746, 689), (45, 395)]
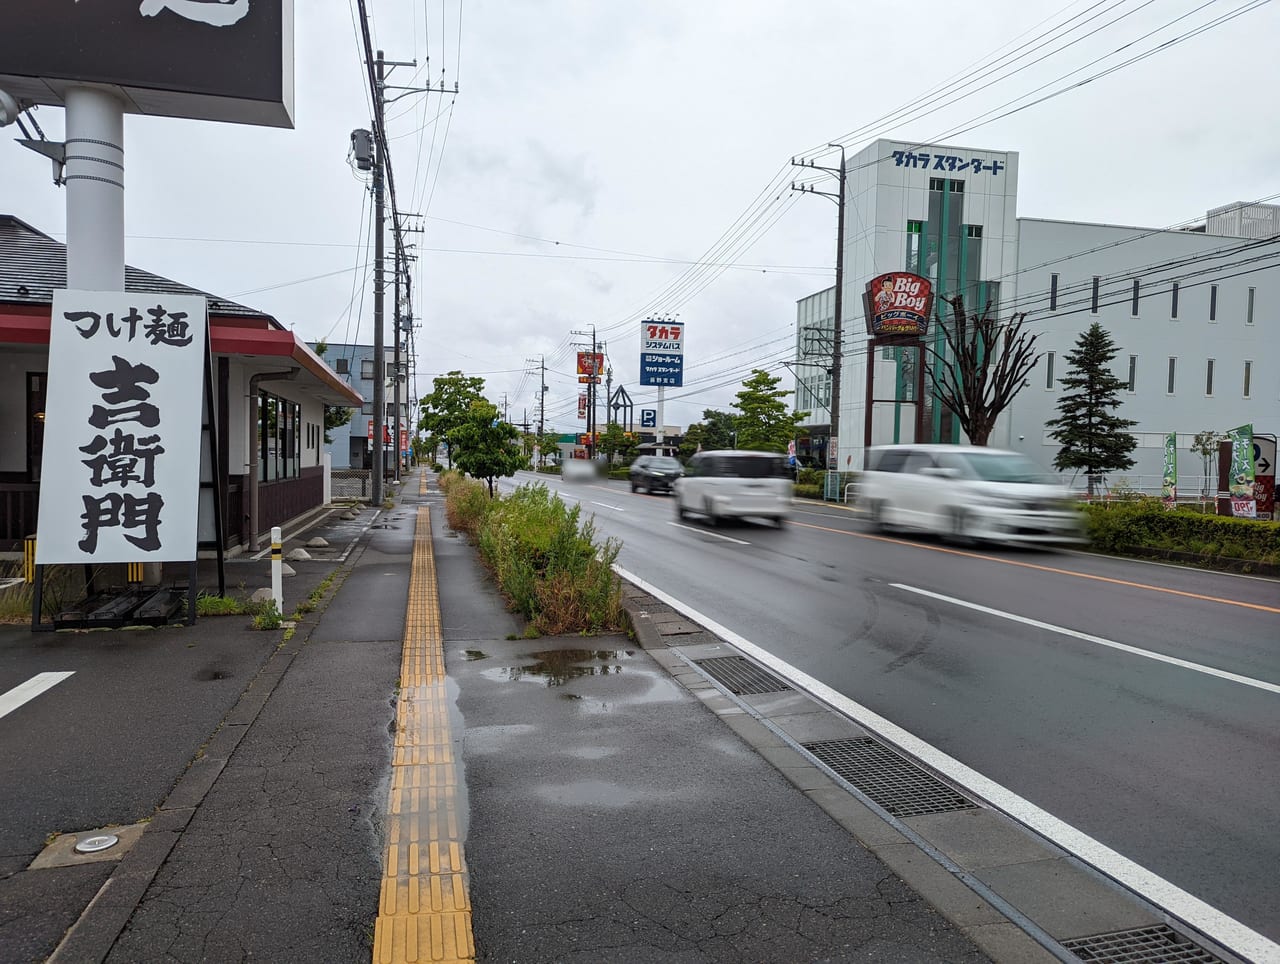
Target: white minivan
[(968, 493), (734, 483)]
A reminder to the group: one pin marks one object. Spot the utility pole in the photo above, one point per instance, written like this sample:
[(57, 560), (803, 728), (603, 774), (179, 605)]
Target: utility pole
[(403, 320), (379, 286), (837, 348), (542, 407)]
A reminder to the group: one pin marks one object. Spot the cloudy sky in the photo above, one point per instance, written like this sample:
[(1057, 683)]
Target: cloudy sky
[(604, 162)]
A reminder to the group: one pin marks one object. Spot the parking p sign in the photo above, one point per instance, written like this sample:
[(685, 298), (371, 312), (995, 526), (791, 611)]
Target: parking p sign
[(648, 418)]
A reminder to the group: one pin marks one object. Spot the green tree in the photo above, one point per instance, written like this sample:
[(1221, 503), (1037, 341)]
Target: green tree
[(484, 446), (986, 365), (766, 424), (448, 406), (717, 430), (1092, 436), (548, 445), (1205, 445), (615, 442)]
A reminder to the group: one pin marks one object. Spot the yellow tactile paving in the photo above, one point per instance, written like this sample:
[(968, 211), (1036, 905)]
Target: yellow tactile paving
[(424, 906)]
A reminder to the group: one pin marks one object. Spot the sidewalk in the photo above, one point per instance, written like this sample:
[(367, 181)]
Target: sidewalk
[(611, 800)]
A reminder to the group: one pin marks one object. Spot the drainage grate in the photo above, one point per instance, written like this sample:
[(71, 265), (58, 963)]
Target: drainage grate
[(1146, 945), (893, 782), (741, 676)]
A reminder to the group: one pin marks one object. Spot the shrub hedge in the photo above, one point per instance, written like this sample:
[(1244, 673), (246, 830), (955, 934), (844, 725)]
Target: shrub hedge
[(1122, 527)]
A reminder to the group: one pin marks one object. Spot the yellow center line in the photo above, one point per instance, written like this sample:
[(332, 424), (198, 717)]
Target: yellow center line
[(424, 909), (1033, 565)]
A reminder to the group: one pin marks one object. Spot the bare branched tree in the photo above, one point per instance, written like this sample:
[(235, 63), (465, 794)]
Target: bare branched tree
[(988, 365)]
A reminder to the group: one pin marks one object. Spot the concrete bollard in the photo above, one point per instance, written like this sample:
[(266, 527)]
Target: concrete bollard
[(277, 571)]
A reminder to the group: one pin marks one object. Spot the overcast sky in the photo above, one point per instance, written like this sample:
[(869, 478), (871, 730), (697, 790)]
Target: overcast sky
[(598, 151)]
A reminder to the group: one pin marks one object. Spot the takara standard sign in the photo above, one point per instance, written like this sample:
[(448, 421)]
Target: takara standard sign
[(898, 303), (661, 353), (121, 478)]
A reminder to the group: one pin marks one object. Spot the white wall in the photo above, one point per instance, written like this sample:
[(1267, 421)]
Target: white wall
[(1078, 252)]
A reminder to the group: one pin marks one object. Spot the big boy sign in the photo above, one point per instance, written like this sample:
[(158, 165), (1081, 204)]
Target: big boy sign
[(898, 303)]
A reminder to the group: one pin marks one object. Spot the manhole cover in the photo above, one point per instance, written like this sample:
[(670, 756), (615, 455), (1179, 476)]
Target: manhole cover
[(96, 844)]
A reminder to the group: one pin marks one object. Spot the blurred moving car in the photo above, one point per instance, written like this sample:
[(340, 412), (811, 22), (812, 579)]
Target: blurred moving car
[(655, 473), (578, 470), (733, 483), (968, 493)]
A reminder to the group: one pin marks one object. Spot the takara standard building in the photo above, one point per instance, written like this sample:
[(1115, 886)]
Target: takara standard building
[(1193, 312)]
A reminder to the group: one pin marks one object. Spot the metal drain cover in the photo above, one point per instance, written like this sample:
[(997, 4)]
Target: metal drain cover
[(1144, 945), (741, 676), (96, 844), (892, 781)]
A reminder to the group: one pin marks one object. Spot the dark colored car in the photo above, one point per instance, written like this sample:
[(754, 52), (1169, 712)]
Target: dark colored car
[(655, 473)]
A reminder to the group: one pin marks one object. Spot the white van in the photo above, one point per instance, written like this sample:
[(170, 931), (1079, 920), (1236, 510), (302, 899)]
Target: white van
[(968, 493), (734, 483)]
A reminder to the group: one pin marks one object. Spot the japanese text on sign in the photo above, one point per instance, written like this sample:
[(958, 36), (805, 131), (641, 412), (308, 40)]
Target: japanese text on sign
[(122, 428), (949, 163)]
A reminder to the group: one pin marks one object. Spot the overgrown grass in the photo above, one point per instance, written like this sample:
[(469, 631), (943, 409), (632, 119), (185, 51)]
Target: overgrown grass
[(546, 560)]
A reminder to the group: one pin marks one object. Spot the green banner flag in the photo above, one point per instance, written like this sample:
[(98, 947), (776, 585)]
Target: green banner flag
[(1240, 484), (1169, 482)]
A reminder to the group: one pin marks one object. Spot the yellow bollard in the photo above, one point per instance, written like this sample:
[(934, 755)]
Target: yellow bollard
[(29, 559), (135, 572)]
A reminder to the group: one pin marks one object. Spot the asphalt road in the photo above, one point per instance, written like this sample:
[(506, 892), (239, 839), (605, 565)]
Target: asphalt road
[(1172, 764)]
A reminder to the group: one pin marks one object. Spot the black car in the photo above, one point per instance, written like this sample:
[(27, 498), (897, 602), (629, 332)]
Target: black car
[(655, 473)]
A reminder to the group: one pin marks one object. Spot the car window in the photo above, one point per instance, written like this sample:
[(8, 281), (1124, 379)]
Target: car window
[(664, 462), (752, 466), (1002, 467), (641, 462), (915, 462), (696, 466), (891, 460)]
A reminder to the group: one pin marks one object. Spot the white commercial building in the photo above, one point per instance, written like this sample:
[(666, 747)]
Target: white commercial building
[(1192, 312)]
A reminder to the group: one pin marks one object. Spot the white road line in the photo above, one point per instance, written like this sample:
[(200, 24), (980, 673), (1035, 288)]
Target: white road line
[(606, 505), (29, 690), (1226, 930), (714, 535), (1099, 640)]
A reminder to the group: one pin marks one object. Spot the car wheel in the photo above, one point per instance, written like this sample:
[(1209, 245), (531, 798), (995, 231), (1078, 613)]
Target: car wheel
[(681, 514), (710, 511), (633, 486), (958, 527), (876, 512)]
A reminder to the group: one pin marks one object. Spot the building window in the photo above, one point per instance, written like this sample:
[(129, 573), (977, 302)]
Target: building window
[(343, 366), (1208, 378), (1133, 372), (1248, 312), (1048, 369), (1173, 310), (366, 369), (1248, 377), (917, 227), (1173, 369), (1133, 310), (1097, 287), (279, 442), (1213, 302), (366, 408), (957, 187), (1053, 292), (937, 184), (973, 230)]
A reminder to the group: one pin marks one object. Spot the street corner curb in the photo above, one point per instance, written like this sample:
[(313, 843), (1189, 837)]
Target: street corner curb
[(635, 606)]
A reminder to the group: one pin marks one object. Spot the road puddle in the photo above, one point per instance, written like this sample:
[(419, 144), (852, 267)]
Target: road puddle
[(555, 667)]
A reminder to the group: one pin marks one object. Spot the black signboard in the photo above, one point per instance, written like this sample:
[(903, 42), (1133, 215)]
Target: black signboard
[(229, 60)]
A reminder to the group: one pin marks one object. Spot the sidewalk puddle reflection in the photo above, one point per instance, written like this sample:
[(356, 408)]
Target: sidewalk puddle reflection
[(556, 667), (473, 654)]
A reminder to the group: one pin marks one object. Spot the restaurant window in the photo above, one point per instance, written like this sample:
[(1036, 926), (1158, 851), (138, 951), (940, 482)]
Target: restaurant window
[(1133, 372), (1048, 369), (1053, 291), (1248, 377), (279, 441), (1097, 288)]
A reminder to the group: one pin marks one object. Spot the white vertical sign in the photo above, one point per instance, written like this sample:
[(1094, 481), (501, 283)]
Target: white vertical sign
[(121, 470)]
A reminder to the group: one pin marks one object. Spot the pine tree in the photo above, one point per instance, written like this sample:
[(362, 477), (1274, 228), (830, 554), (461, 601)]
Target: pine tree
[(1093, 437), (765, 423)]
